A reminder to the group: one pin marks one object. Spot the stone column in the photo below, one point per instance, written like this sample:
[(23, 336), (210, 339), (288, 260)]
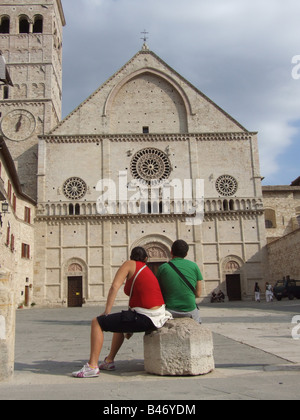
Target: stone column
[(7, 327)]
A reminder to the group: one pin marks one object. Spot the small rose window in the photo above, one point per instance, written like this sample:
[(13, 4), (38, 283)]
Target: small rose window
[(74, 188), (227, 185)]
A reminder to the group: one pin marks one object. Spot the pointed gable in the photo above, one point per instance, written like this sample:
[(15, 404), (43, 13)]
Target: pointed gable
[(146, 95)]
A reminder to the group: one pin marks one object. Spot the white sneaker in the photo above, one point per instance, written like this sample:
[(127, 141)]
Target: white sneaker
[(86, 372)]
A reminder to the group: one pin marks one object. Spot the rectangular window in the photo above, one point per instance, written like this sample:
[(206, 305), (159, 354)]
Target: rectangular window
[(8, 236), (27, 215), (145, 130), (12, 243), (14, 202), (25, 251), (9, 190)]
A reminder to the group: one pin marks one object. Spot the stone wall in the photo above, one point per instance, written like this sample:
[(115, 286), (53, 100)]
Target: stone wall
[(16, 232), (7, 327), (284, 257), (282, 204)]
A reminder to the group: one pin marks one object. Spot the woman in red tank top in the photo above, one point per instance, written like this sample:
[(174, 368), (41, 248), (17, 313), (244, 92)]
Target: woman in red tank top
[(146, 292), (146, 311)]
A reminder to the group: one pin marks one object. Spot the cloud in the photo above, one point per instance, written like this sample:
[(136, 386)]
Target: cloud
[(237, 52)]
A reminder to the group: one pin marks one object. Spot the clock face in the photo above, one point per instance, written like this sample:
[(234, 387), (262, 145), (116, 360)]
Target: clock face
[(18, 125)]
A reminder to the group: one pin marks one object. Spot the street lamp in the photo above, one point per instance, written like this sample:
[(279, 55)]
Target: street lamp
[(4, 210), (4, 75)]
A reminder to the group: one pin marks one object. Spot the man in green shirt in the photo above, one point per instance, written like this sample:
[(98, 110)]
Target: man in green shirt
[(180, 297)]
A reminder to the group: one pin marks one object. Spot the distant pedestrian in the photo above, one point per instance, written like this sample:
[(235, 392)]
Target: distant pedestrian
[(269, 292), (257, 292)]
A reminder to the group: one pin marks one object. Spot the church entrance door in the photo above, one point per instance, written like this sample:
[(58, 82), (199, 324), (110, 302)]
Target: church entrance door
[(233, 284), (75, 292)]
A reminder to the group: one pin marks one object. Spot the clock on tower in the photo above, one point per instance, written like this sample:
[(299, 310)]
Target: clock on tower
[(31, 43)]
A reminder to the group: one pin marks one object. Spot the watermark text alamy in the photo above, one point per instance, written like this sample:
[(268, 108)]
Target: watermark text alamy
[(185, 197)]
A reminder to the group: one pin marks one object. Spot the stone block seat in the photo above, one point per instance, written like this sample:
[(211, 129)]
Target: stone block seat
[(181, 348)]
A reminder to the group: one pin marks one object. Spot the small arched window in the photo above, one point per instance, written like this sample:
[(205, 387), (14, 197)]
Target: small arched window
[(38, 24), (269, 224), (23, 25), (225, 205), (77, 209), (270, 219), (71, 209), (4, 25)]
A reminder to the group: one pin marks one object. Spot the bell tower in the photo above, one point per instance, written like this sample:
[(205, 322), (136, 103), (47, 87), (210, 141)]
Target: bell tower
[(31, 42)]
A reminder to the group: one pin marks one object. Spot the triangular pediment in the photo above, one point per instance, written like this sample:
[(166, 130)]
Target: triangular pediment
[(146, 94)]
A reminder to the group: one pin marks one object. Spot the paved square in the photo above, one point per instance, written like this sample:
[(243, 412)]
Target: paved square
[(255, 355)]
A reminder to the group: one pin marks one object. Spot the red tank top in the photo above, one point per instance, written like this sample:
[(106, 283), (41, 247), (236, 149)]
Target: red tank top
[(146, 290)]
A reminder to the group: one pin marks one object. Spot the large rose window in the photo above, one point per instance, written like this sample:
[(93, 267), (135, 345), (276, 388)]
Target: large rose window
[(151, 165)]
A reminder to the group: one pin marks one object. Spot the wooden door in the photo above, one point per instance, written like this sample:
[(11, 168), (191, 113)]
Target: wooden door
[(26, 295), (74, 292), (233, 283)]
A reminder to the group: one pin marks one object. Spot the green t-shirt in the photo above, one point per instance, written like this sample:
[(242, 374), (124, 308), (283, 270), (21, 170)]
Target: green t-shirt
[(177, 295)]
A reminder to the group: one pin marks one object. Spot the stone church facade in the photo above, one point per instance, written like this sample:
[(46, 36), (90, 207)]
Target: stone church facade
[(129, 166)]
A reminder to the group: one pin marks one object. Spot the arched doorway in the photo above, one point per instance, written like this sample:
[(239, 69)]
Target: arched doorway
[(158, 248), (232, 274), (157, 255), (75, 275)]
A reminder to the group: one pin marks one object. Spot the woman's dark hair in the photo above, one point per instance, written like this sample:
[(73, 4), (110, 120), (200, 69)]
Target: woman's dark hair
[(138, 254), (180, 249)]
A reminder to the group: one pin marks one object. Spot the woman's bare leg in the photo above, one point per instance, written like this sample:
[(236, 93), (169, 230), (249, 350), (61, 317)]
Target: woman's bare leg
[(97, 338), (117, 341)]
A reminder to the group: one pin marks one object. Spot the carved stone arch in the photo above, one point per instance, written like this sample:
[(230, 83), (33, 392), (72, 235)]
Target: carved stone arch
[(157, 247), (75, 268), (156, 252), (232, 264), (74, 265), (146, 102), (111, 97)]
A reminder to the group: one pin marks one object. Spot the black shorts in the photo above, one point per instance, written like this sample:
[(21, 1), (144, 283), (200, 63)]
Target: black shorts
[(126, 322)]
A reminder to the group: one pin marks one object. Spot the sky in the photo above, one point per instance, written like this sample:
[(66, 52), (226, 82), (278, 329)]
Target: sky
[(243, 54)]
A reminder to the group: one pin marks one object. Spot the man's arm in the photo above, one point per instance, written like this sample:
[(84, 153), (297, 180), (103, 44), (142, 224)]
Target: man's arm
[(199, 278), (198, 291)]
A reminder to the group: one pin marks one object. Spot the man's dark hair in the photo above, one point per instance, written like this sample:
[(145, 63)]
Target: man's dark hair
[(180, 248), (138, 254)]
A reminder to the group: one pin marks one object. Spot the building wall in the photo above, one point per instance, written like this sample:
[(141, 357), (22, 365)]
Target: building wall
[(145, 108), (16, 232), (188, 139), (282, 204), (283, 256), (172, 99), (230, 240)]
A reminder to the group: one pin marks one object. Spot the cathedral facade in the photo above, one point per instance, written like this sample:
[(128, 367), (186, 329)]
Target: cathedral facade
[(145, 160)]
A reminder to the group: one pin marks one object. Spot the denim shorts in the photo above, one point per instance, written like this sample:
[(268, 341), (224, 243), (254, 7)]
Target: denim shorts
[(125, 322)]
